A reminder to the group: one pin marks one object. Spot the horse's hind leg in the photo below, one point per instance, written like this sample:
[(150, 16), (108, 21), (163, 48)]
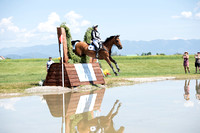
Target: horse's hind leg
[(113, 115), (112, 60), (111, 111), (108, 61), (121, 130)]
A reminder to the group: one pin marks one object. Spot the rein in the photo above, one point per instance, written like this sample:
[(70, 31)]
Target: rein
[(104, 48)]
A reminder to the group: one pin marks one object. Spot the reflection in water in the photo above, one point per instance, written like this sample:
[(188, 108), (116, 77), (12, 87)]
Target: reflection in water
[(146, 108), (197, 90), (187, 90), (81, 111), (102, 124), (9, 104)]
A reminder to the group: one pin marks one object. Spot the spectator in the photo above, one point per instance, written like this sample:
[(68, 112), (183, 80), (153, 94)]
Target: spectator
[(49, 62), (197, 61), (186, 62)]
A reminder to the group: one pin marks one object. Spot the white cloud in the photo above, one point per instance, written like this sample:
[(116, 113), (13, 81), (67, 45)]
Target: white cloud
[(9, 105), (186, 14), (29, 34), (197, 6), (2, 30), (189, 14), (177, 38), (176, 17), (75, 22), (7, 24), (44, 32), (49, 25), (197, 15), (85, 23), (47, 37), (72, 16)]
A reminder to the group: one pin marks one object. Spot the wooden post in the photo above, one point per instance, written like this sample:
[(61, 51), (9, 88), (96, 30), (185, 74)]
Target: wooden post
[(59, 41), (62, 39)]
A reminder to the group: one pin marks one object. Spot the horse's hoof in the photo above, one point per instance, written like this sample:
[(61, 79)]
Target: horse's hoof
[(116, 74), (116, 101), (121, 130), (118, 70)]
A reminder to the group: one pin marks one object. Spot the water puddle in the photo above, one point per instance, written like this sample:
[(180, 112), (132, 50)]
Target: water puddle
[(170, 106)]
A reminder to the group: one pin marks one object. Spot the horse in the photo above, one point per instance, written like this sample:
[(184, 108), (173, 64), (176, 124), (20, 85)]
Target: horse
[(102, 124), (81, 48)]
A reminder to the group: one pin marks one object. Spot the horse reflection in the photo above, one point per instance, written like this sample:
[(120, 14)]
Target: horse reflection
[(102, 124), (77, 112), (197, 90), (187, 90)]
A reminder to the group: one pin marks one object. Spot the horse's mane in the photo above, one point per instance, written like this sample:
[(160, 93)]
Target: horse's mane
[(108, 39)]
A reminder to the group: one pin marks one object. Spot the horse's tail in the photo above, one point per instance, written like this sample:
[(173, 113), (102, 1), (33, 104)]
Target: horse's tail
[(74, 42)]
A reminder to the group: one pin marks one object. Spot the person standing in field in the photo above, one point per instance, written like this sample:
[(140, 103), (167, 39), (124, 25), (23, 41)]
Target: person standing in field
[(49, 62), (197, 61), (186, 62)]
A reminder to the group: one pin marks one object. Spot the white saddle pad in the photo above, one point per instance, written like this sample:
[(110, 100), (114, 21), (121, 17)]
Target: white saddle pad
[(91, 47)]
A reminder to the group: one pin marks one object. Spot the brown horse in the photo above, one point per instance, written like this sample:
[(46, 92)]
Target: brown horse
[(81, 48), (103, 124)]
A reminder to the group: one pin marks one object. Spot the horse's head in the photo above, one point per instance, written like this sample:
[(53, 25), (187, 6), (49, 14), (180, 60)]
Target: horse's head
[(117, 42)]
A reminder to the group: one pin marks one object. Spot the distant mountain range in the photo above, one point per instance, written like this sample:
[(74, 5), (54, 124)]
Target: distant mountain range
[(168, 47), (38, 51)]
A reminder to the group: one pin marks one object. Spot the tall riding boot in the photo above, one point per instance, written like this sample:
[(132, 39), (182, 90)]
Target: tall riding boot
[(97, 52)]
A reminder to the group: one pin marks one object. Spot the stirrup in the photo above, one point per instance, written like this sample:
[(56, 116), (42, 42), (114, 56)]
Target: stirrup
[(97, 56)]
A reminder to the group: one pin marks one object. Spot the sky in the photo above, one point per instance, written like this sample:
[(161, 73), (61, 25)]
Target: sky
[(25, 23)]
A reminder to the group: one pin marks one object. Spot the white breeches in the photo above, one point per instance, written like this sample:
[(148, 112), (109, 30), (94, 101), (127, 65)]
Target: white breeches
[(96, 43)]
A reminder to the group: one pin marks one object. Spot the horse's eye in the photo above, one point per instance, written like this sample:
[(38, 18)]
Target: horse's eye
[(117, 41)]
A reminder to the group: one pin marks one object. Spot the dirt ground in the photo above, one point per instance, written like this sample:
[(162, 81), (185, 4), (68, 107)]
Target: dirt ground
[(45, 90)]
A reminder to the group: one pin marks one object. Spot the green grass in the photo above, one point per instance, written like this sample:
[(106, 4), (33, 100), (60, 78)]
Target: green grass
[(148, 66), (17, 75)]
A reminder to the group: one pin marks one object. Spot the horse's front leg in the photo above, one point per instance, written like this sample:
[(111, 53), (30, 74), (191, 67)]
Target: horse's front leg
[(113, 115), (111, 59), (108, 61), (111, 111)]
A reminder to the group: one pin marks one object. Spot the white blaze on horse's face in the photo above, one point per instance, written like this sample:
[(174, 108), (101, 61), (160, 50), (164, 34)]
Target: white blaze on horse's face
[(118, 42)]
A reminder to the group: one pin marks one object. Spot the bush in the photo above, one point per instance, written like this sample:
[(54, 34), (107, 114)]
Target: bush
[(73, 58)]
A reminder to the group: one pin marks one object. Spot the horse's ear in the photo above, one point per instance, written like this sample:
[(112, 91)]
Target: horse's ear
[(117, 35)]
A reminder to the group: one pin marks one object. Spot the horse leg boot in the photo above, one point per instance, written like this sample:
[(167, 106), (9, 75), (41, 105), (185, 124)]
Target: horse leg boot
[(113, 69), (111, 59), (113, 115), (108, 61)]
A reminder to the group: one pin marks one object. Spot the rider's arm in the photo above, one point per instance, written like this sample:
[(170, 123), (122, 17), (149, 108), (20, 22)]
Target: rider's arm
[(94, 35)]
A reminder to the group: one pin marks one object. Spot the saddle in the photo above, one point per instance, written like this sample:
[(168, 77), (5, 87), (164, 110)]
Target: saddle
[(92, 47)]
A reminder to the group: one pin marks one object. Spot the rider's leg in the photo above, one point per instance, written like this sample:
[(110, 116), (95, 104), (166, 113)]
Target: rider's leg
[(96, 47)]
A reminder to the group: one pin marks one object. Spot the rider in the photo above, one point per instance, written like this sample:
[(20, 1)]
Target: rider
[(96, 39)]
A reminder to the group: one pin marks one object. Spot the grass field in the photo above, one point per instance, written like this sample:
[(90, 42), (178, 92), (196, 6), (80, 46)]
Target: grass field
[(19, 74)]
